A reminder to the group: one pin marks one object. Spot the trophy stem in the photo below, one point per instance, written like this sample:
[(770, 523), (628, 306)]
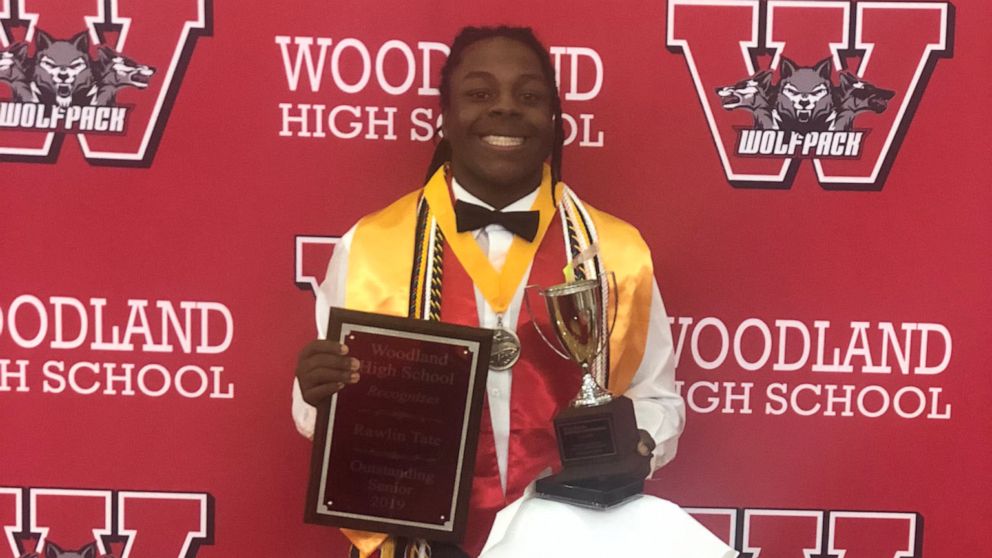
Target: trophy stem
[(590, 394)]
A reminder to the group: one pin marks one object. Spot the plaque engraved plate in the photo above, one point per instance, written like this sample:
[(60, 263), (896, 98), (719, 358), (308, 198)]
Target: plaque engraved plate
[(591, 437), (395, 452)]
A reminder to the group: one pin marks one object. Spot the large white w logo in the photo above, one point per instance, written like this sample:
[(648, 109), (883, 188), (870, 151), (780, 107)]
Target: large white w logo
[(126, 524), (891, 44), (156, 34)]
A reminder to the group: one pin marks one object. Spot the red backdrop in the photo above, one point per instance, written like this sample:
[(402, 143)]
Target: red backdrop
[(830, 330)]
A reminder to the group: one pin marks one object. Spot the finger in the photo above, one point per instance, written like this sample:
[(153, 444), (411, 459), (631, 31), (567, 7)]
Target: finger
[(325, 360), (646, 444), (308, 368), (320, 376), (315, 395), (323, 346)]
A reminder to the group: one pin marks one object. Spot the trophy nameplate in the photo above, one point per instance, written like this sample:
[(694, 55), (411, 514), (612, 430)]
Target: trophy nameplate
[(601, 467)]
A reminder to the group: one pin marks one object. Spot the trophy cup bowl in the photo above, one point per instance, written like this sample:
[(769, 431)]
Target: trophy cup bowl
[(575, 309), (597, 434)]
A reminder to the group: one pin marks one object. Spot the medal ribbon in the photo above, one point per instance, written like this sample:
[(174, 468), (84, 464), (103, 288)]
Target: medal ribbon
[(498, 287)]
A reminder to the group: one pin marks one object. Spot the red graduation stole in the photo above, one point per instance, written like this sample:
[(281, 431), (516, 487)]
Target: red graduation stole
[(542, 384)]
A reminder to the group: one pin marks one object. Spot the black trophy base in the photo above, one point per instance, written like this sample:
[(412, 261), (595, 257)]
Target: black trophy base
[(601, 467), (599, 493)]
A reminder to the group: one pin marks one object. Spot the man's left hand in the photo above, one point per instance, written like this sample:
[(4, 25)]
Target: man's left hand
[(646, 444), (644, 448)]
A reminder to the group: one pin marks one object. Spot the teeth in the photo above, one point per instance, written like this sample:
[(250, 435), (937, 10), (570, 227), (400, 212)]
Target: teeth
[(503, 141)]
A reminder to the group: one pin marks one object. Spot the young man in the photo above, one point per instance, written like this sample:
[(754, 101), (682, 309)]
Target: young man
[(495, 217)]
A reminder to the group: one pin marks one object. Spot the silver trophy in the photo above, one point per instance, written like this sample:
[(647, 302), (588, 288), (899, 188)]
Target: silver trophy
[(597, 434), (576, 312)]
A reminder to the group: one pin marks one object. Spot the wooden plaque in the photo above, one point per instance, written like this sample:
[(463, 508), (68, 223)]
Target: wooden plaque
[(395, 452)]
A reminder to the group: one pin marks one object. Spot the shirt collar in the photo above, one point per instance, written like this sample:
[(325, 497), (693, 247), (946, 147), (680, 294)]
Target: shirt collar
[(523, 204)]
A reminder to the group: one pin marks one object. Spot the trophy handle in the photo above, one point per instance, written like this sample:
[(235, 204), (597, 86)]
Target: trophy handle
[(533, 320), (611, 287), (611, 279)]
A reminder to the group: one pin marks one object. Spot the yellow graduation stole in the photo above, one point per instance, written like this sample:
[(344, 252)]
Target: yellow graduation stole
[(383, 255)]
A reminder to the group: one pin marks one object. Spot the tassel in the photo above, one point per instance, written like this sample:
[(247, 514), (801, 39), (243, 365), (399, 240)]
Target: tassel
[(365, 542)]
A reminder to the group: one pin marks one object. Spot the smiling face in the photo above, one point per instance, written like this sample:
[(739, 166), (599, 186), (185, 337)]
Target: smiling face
[(499, 120)]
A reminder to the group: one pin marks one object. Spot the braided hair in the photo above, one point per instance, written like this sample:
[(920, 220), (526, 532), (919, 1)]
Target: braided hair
[(524, 35)]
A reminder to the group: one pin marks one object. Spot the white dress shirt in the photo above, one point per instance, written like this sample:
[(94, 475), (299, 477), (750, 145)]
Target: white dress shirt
[(657, 406)]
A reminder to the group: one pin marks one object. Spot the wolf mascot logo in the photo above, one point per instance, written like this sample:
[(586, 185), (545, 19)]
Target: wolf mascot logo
[(755, 95), (65, 74), (847, 112), (14, 71), (856, 96), (117, 72), (804, 99)]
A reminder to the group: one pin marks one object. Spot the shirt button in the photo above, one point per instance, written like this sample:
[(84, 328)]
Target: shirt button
[(494, 392)]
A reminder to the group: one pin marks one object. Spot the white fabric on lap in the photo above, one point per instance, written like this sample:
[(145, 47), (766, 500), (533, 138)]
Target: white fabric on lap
[(645, 527)]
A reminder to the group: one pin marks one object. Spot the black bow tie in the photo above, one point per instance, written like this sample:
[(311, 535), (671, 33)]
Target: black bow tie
[(470, 217)]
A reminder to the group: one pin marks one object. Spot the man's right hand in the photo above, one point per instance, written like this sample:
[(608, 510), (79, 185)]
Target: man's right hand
[(323, 368)]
